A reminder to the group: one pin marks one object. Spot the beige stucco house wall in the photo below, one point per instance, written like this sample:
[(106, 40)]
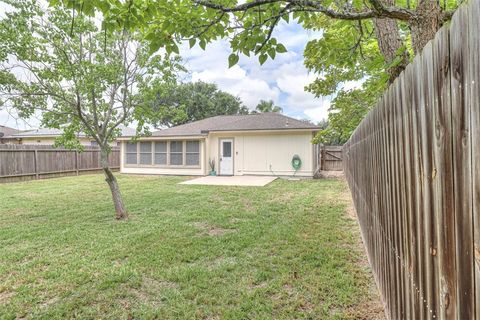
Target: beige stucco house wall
[(266, 152), (254, 153), (255, 144)]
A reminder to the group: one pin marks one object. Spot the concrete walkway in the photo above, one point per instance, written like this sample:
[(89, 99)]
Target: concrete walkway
[(253, 181)]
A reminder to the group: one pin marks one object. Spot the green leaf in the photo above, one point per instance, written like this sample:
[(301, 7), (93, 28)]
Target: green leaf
[(202, 44), (154, 46), (271, 53), (232, 60), (192, 42), (175, 48), (281, 48), (262, 58)]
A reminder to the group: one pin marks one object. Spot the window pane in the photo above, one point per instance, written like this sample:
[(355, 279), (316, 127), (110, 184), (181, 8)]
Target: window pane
[(145, 158), (176, 146), (145, 147), (161, 146), (176, 159), (227, 149), (193, 159), (131, 158), (160, 158), (193, 146), (131, 147)]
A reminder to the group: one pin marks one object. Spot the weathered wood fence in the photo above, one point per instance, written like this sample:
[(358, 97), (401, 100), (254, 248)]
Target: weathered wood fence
[(329, 158), (413, 166), (27, 162)]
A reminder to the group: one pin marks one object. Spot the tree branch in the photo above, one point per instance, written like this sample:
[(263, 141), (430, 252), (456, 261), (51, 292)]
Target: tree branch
[(378, 11)]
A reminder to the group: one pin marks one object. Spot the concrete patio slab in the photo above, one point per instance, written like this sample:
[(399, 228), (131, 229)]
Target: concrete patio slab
[(251, 181)]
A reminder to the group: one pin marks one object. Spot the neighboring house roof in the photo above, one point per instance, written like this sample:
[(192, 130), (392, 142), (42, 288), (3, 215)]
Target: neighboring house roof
[(45, 132), (258, 121), (7, 131)]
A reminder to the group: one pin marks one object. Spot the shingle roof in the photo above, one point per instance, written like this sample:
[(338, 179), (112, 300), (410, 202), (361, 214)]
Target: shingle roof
[(46, 132), (7, 131), (259, 121)]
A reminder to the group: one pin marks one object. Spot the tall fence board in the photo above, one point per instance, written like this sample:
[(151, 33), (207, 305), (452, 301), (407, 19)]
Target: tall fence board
[(27, 162), (413, 166)]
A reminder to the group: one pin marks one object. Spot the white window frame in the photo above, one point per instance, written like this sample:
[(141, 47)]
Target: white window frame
[(140, 153), (190, 153), (130, 152), (155, 153), (168, 153)]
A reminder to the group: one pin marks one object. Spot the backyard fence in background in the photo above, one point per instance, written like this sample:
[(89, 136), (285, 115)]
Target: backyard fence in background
[(27, 162), (329, 158), (413, 166)]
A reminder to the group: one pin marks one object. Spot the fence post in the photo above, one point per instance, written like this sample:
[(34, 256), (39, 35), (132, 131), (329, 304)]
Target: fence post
[(322, 158), (76, 162), (35, 161)]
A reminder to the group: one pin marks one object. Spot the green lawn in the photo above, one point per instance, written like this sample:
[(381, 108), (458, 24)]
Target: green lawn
[(285, 251)]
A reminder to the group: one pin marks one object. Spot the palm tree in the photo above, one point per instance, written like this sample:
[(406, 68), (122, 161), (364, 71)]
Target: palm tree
[(267, 106)]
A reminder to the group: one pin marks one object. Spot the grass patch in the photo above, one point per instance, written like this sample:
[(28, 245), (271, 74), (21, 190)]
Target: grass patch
[(284, 251)]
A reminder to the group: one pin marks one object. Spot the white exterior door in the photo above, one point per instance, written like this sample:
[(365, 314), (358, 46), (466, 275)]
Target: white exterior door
[(226, 157)]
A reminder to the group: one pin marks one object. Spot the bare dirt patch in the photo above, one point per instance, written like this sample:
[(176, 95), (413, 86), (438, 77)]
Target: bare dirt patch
[(5, 296), (221, 261), (212, 230), (148, 292), (329, 175), (255, 286), (368, 310), (49, 302), (248, 206)]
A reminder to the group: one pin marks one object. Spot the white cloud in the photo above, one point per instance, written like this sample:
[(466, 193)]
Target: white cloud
[(318, 113), (237, 82), (282, 80), (211, 65)]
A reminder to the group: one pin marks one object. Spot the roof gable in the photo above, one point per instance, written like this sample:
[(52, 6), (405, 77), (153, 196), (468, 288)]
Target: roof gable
[(7, 131)]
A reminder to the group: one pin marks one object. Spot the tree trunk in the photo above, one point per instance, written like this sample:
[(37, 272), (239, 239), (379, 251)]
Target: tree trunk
[(390, 43), (120, 210), (425, 24)]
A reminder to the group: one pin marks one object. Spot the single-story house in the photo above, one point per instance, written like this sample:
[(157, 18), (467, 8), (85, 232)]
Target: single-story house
[(5, 133), (255, 144), (45, 136)]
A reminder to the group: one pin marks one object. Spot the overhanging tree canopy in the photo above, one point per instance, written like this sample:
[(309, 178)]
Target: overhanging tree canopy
[(372, 39)]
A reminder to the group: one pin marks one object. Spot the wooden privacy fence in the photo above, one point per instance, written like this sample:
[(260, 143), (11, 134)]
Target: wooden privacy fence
[(413, 166), (329, 158), (26, 162)]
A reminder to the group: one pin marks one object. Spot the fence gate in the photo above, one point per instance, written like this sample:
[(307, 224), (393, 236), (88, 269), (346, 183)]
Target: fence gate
[(329, 158)]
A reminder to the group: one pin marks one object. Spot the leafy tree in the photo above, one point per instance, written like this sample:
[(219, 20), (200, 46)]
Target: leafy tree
[(268, 106), (186, 102), (355, 56), (77, 76), (346, 112), (361, 39)]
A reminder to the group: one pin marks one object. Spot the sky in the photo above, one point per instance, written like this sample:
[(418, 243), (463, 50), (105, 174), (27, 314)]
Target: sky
[(281, 80)]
